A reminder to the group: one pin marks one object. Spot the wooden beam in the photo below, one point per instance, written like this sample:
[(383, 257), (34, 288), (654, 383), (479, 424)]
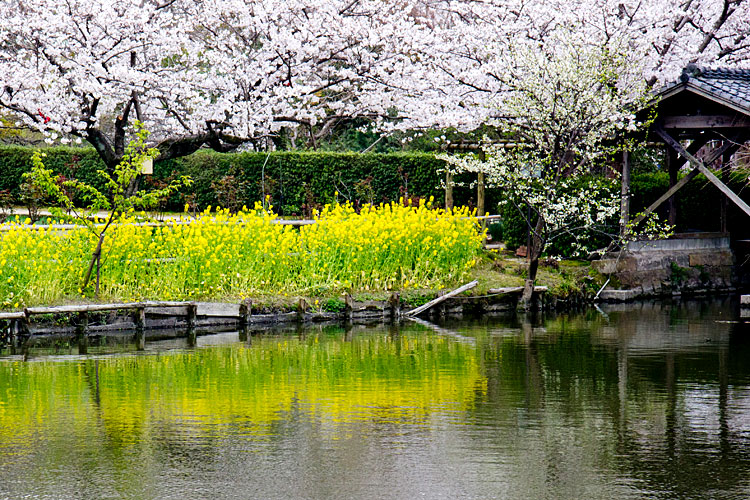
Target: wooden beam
[(705, 171), (724, 206), (672, 158), (693, 148), (443, 298), (448, 191), (725, 189), (705, 122), (726, 147), (625, 192)]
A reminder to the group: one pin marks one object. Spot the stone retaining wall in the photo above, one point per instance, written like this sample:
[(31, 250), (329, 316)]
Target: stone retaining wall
[(692, 264)]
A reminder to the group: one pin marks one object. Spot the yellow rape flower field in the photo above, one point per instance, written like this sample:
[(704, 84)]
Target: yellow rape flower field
[(227, 256)]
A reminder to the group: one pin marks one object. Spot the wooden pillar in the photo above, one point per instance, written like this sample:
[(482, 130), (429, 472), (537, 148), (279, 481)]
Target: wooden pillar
[(672, 165), (192, 337), (480, 189), (139, 319), (394, 304), (726, 162), (301, 309), (192, 309), (14, 330), (246, 308), (82, 326), (348, 307), (448, 191), (625, 193), (480, 194)]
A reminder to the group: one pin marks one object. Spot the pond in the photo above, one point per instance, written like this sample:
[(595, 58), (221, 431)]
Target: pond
[(634, 401)]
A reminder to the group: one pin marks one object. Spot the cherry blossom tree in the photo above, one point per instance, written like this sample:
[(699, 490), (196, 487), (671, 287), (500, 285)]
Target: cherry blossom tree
[(212, 73), (220, 73), (563, 109)]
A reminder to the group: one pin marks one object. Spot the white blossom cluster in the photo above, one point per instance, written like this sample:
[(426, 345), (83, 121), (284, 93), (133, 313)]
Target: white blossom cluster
[(245, 68)]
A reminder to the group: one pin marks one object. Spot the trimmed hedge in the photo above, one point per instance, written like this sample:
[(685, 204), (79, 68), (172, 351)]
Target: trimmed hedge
[(296, 181)]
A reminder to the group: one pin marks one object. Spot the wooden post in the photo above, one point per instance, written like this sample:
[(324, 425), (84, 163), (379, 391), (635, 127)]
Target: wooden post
[(448, 191), (139, 319), (394, 303), (192, 309), (24, 328), (246, 307), (191, 335), (14, 328), (348, 307), (301, 309), (480, 195), (480, 190), (725, 169), (625, 193), (672, 167), (82, 326)]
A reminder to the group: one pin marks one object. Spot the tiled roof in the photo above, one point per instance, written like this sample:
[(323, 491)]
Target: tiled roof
[(730, 86)]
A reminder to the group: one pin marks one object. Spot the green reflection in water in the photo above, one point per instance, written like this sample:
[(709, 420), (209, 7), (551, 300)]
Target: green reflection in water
[(646, 402), (391, 378)]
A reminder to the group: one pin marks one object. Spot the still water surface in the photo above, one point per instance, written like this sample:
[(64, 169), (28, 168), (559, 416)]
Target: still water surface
[(637, 401)]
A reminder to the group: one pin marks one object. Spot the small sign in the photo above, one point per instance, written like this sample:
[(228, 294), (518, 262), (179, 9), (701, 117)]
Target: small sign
[(148, 166)]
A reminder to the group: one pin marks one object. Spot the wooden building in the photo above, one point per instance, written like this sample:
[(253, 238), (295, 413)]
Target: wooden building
[(703, 119)]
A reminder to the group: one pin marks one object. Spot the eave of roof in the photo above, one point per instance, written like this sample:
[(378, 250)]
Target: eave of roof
[(732, 89)]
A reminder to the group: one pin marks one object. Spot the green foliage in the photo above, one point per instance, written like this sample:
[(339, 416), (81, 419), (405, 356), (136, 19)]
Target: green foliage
[(495, 230), (677, 274), (296, 181), (333, 305), (565, 244)]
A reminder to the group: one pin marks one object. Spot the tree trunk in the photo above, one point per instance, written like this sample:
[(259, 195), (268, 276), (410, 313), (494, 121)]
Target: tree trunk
[(94, 261), (534, 251)]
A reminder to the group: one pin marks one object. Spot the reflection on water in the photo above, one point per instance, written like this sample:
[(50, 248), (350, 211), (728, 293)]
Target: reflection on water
[(637, 401)]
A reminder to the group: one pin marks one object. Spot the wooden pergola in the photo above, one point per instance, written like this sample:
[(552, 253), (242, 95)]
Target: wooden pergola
[(705, 107)]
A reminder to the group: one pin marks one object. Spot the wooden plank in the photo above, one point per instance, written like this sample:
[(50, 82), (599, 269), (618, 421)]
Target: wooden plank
[(167, 311), (218, 309), (77, 308), (507, 289), (12, 315), (705, 122), (515, 289), (157, 303), (671, 191), (438, 300)]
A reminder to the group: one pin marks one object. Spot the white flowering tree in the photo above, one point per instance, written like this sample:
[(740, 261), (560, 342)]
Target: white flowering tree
[(221, 73), (202, 73), (564, 105)]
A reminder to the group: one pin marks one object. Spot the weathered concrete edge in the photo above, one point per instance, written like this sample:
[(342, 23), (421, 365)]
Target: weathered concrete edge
[(632, 294)]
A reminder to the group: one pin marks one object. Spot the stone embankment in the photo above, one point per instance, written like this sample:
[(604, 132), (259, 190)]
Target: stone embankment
[(686, 264)]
